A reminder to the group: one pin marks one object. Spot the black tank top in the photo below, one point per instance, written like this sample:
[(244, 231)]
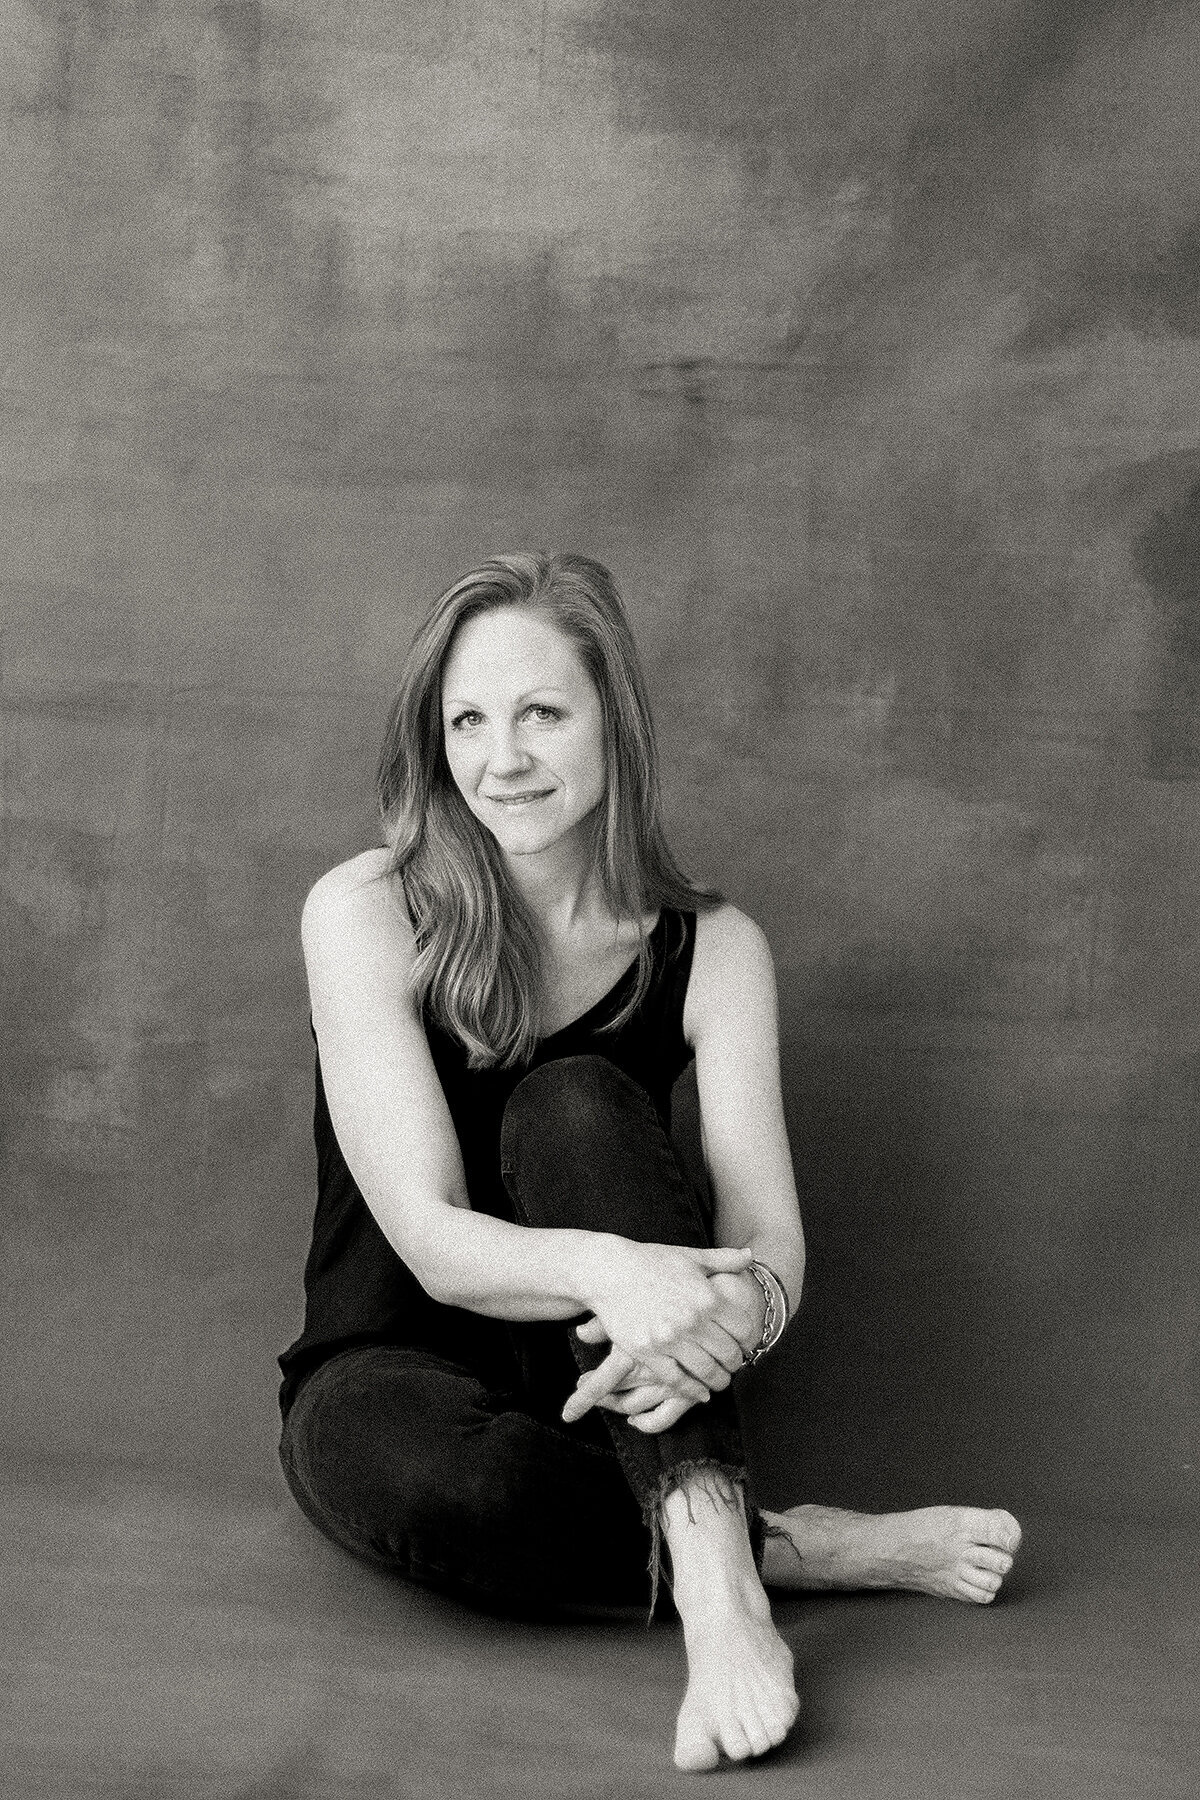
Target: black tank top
[(357, 1289)]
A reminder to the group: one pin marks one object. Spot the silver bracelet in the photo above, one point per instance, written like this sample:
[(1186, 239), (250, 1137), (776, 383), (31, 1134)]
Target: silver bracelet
[(777, 1314)]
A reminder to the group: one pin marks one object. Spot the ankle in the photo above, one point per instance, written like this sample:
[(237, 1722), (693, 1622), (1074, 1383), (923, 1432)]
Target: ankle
[(712, 1565), (704, 1515)]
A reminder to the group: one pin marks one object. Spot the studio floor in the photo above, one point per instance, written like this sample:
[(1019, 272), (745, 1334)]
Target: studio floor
[(160, 1639)]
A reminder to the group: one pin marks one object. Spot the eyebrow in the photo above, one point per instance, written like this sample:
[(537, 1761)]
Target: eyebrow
[(463, 700)]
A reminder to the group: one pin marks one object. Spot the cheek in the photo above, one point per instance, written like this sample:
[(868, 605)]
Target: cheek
[(587, 765), (458, 761)]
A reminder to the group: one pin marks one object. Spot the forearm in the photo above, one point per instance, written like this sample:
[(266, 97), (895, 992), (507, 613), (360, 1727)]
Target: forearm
[(487, 1265), (783, 1253)]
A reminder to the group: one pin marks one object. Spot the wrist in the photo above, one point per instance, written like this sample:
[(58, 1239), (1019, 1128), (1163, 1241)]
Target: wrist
[(592, 1272), (776, 1310), (754, 1301)]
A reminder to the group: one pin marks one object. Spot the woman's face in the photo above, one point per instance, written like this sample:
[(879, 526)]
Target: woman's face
[(523, 728)]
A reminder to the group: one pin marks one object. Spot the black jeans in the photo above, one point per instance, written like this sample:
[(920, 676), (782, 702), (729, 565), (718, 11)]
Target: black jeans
[(456, 1470)]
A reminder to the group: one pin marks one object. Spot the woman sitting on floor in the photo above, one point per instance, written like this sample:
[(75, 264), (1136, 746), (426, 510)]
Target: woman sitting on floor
[(502, 1000)]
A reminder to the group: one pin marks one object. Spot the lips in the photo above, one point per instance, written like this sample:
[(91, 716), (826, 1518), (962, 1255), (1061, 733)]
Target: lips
[(520, 799)]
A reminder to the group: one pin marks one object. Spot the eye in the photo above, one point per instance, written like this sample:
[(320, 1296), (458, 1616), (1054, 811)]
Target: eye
[(459, 720), (547, 712)]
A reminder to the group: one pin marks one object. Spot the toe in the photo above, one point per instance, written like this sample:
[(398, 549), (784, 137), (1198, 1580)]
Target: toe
[(982, 1556), (983, 1578), (757, 1735), (778, 1721), (778, 1712), (695, 1750), (734, 1741), (1006, 1532)]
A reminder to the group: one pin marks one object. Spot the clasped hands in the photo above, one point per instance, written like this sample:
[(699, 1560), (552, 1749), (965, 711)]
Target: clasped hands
[(680, 1322)]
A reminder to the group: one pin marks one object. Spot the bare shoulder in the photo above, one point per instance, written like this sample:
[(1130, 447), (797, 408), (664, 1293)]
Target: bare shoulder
[(732, 968), (351, 890), (358, 903), (726, 934)]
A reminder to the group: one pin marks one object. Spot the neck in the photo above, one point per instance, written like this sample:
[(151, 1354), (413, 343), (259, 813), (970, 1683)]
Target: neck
[(558, 884)]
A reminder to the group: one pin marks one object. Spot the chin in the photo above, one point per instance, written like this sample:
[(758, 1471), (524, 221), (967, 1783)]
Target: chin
[(527, 839), (528, 843)]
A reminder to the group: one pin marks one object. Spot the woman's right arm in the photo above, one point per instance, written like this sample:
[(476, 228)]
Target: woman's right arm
[(395, 1131)]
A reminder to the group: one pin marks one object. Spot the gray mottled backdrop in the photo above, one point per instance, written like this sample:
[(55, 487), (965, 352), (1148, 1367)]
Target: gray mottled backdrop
[(862, 341)]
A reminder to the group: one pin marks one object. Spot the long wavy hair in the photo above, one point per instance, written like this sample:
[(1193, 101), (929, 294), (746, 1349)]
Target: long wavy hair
[(478, 968)]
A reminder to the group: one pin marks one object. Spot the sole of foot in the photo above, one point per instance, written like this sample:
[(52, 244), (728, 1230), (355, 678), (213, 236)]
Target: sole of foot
[(953, 1552)]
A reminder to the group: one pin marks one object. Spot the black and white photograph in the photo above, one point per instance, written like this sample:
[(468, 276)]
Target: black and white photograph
[(600, 899)]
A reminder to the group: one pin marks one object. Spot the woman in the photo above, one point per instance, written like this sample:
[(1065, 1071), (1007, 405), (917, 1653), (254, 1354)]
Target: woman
[(502, 1001)]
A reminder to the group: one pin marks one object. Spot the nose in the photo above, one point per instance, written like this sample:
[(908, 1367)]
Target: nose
[(508, 754)]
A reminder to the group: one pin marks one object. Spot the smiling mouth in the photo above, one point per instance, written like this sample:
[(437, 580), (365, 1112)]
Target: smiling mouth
[(520, 799)]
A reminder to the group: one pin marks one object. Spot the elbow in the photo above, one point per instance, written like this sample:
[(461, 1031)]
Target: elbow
[(432, 1284), (420, 1257), (445, 1291), (424, 1239), (445, 1284), (436, 1279)]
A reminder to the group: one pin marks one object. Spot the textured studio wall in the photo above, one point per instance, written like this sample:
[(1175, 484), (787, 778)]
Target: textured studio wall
[(864, 342)]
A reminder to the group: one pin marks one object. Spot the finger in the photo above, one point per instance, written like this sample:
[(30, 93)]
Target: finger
[(699, 1362), (638, 1376), (686, 1386), (591, 1332), (586, 1395), (741, 1312), (673, 1378), (722, 1346), (661, 1418), (723, 1262), (599, 1381), (636, 1400)]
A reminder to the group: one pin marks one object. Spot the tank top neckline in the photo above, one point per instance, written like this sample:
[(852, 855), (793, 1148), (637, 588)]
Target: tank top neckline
[(606, 998)]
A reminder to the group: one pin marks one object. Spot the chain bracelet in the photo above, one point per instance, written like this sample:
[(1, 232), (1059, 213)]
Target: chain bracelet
[(775, 1317)]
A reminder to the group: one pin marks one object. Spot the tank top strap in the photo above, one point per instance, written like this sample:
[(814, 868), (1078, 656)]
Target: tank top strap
[(676, 970), (650, 1045)]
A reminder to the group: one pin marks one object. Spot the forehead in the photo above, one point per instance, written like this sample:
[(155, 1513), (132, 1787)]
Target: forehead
[(511, 646)]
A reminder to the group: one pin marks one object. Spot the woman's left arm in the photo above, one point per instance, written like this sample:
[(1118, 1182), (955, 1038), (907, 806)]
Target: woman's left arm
[(732, 1021)]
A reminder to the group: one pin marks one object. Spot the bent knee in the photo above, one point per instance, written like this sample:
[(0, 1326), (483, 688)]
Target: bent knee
[(571, 1102)]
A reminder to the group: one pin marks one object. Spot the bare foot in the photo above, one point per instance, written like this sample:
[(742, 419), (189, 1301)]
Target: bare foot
[(956, 1552), (741, 1696)]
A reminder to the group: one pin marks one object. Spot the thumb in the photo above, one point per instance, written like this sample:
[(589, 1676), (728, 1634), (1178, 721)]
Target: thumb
[(724, 1262), (591, 1332)]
